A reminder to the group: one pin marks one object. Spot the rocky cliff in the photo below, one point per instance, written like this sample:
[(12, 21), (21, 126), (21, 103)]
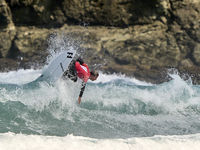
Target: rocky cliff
[(139, 38)]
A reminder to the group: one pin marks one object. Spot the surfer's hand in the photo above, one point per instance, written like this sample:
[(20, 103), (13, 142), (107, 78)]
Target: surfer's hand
[(79, 100)]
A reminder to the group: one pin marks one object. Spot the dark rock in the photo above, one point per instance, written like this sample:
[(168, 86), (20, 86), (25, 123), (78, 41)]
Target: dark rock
[(143, 39)]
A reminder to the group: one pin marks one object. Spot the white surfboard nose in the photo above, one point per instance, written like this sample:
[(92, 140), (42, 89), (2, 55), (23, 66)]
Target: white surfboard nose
[(59, 65)]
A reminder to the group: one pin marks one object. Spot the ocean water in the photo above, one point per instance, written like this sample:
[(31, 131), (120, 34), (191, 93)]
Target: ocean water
[(116, 112)]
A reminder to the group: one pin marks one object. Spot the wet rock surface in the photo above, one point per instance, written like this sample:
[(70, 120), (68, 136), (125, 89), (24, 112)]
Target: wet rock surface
[(142, 39)]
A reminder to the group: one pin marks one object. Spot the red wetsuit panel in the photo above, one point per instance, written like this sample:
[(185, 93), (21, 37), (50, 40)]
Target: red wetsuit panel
[(83, 71)]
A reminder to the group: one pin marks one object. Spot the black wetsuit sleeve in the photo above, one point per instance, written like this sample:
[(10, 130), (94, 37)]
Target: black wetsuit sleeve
[(82, 89), (80, 60)]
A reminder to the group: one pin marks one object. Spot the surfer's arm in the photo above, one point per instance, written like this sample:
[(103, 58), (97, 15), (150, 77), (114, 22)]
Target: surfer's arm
[(81, 92), (80, 60)]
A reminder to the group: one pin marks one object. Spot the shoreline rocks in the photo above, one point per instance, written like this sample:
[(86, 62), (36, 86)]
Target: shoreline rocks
[(137, 38)]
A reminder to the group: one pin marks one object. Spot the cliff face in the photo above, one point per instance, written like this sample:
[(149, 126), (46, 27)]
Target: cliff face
[(138, 38)]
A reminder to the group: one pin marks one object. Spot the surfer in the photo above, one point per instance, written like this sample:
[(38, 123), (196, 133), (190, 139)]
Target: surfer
[(79, 68)]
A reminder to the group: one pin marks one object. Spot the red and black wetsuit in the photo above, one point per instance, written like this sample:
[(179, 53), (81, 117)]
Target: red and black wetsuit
[(83, 73), (80, 69)]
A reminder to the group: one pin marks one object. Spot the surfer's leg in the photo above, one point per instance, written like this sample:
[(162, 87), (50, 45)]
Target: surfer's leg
[(74, 73), (71, 72)]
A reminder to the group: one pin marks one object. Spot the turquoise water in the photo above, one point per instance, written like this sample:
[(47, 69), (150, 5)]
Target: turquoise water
[(116, 112), (117, 108)]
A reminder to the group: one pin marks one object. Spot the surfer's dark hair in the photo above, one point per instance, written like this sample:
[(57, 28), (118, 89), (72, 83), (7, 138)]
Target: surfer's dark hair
[(94, 73)]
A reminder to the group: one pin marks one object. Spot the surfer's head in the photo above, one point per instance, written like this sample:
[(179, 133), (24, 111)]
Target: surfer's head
[(94, 75)]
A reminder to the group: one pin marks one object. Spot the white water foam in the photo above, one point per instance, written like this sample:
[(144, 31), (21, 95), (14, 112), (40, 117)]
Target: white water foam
[(19, 77), (105, 78), (25, 76), (11, 141)]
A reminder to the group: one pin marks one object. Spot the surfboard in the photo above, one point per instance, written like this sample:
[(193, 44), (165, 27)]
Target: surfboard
[(59, 65)]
